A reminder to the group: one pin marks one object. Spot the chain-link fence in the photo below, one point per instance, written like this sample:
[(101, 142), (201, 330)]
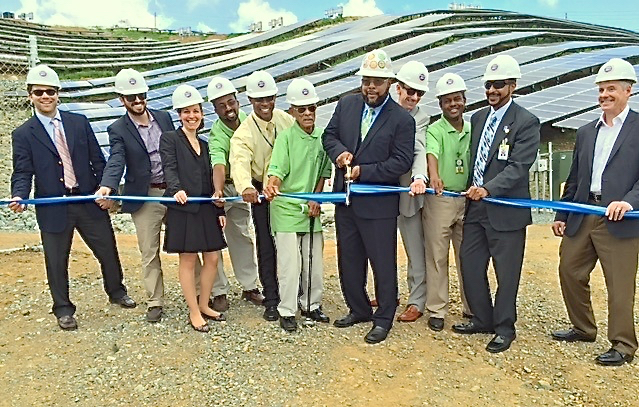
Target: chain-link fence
[(15, 62)]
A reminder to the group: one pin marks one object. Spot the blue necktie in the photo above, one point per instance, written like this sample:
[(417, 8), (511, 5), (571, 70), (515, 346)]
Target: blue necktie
[(486, 141)]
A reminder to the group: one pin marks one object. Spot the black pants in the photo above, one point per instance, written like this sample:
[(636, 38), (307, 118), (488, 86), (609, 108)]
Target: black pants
[(97, 233), (266, 255), (358, 242), (506, 248)]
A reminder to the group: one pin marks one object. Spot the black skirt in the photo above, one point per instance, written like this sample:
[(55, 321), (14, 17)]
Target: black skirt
[(198, 232)]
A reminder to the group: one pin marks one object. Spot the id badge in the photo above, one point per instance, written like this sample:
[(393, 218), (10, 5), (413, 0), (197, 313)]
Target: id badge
[(504, 148), (459, 166)]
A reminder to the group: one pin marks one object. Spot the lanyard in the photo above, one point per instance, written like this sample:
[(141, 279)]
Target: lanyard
[(263, 136)]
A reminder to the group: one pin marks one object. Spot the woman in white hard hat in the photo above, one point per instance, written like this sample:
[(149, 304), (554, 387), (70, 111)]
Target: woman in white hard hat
[(191, 228)]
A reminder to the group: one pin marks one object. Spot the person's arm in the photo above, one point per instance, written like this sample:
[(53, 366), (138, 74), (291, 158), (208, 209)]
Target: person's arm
[(279, 167), (117, 161), (95, 152), (240, 158), (22, 176), (169, 163), (336, 150)]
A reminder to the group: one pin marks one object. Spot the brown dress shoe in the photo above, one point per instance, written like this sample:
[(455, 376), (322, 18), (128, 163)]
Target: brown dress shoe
[(253, 296), (410, 314), (220, 303)]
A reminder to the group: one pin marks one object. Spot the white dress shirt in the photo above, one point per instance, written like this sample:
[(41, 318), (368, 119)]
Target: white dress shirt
[(606, 137)]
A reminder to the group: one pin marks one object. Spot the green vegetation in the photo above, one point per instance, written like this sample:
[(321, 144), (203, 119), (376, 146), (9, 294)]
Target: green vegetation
[(139, 35)]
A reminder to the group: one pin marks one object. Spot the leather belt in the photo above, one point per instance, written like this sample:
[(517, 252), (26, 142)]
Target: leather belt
[(158, 185), (72, 191), (594, 197)]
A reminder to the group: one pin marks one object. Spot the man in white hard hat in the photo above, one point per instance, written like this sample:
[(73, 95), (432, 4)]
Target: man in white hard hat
[(376, 136), (134, 141), (60, 154), (504, 143), (222, 95), (605, 173), (448, 155), (299, 164), (250, 155)]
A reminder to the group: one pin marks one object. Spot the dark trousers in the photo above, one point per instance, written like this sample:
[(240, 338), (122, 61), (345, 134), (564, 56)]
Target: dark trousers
[(97, 233), (480, 243), (266, 255), (359, 241)]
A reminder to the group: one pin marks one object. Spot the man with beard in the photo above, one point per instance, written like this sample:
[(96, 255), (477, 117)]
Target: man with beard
[(447, 153), (222, 95), (504, 143), (251, 148), (376, 136), (134, 141)]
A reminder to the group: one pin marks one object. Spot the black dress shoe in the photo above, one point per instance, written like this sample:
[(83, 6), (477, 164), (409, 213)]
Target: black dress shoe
[(125, 301), (499, 343), (436, 324), (220, 303), (271, 314), (613, 358), (317, 315), (288, 324), (471, 328), (154, 314), (376, 335), (350, 320), (570, 335), (67, 323)]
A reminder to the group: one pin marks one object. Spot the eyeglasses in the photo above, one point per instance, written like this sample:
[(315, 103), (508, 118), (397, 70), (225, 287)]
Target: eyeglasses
[(264, 99), (131, 98), (302, 109), (496, 84), (40, 92), (411, 91), (375, 81)]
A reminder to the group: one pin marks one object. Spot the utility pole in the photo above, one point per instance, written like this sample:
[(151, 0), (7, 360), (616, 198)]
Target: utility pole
[(155, 20)]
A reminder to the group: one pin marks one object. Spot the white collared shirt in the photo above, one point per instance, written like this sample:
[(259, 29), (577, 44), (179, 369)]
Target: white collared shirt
[(606, 137), (499, 113)]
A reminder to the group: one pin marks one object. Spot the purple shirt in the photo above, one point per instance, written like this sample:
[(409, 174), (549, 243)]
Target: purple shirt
[(151, 136)]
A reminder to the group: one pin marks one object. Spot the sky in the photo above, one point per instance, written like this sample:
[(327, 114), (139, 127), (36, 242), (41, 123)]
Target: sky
[(225, 16)]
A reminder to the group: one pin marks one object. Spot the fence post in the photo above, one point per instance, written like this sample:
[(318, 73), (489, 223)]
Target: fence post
[(33, 51)]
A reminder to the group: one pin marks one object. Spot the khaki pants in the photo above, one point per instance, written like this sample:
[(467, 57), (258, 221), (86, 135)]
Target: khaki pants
[(444, 224), (292, 261), (412, 231), (240, 245), (578, 255)]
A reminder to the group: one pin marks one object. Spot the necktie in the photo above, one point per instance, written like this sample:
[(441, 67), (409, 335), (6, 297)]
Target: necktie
[(65, 156), (368, 120), (485, 142)]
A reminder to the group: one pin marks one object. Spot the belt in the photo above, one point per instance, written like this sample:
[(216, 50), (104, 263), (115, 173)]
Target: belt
[(158, 185), (594, 197), (72, 191)]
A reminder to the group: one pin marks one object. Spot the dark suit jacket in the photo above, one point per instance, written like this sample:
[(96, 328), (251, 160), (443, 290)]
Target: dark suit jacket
[(36, 158), (128, 150), (181, 169), (507, 178), (619, 181), (385, 154)]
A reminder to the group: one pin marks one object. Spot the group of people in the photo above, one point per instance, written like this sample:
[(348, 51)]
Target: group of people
[(372, 138)]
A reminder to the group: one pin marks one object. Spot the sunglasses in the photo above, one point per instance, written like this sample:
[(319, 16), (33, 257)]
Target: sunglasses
[(40, 92), (302, 109), (496, 84), (374, 81), (264, 99), (411, 91), (131, 98)]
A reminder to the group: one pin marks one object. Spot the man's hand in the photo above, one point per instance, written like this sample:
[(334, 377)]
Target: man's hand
[(104, 203), (15, 206), (222, 221), (218, 195), (437, 184), (344, 159), (180, 197), (250, 195), (272, 189), (617, 209), (417, 187), (558, 228), (355, 173), (476, 193), (314, 209)]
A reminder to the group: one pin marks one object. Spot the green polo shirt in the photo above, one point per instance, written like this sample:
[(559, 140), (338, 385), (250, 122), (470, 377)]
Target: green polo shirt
[(220, 143), (299, 160), (448, 146)]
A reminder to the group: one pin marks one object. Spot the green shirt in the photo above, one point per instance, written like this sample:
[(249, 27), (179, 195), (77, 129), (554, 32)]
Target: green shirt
[(220, 143), (299, 160), (448, 145)]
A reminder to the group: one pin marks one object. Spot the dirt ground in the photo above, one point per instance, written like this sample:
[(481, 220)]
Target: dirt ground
[(414, 367)]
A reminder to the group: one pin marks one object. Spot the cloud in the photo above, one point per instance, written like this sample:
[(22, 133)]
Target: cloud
[(549, 3), (204, 28), (134, 13), (193, 5), (361, 8), (253, 11)]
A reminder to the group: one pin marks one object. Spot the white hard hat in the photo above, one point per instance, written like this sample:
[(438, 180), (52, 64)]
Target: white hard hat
[(43, 75), (414, 74), (185, 95), (450, 83), (260, 84), (376, 64), (130, 82), (301, 92), (219, 87), (502, 67), (616, 69)]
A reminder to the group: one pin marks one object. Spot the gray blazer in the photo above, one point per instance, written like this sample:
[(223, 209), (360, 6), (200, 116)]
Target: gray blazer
[(410, 205)]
